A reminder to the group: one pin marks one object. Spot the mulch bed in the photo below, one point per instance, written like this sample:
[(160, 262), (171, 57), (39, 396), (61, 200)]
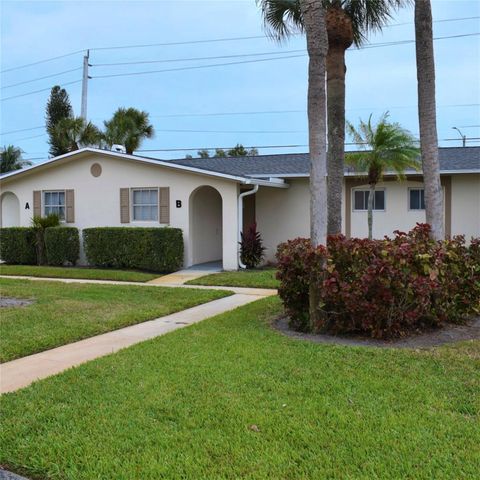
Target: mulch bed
[(448, 334)]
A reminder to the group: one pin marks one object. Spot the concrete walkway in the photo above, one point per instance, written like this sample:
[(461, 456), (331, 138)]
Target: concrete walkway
[(23, 371), (187, 274)]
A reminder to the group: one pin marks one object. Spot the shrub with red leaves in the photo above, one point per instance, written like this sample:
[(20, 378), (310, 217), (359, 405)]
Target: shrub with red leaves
[(382, 288)]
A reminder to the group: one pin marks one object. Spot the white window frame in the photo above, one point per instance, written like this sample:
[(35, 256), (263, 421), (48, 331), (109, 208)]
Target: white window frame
[(360, 189), (133, 205), (410, 209), (45, 206)]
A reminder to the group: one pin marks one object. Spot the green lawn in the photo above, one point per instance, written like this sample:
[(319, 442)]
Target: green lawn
[(245, 278), (73, 272), (182, 406), (63, 313)]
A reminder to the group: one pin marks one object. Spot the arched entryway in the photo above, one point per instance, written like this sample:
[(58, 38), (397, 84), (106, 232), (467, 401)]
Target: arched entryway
[(205, 225), (10, 210)]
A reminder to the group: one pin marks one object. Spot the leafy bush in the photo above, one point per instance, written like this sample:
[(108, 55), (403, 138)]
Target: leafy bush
[(382, 288), (156, 249), (39, 225), (17, 245), (251, 247), (62, 245)]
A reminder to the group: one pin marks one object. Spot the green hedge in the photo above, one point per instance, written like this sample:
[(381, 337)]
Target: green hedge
[(156, 249), (62, 245), (17, 245)]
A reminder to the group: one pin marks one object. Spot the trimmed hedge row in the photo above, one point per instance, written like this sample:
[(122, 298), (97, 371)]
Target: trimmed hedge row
[(62, 245), (155, 249), (17, 245)]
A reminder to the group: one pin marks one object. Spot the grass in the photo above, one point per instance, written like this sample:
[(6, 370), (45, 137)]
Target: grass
[(75, 272), (245, 278), (63, 313), (183, 406)]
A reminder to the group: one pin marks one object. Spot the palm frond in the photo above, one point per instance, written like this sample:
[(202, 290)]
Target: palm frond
[(281, 18)]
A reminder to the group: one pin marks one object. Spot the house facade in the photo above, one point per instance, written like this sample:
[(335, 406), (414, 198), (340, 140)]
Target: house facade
[(213, 199)]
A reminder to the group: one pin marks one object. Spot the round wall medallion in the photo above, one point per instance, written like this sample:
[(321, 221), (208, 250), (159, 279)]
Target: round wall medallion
[(96, 170)]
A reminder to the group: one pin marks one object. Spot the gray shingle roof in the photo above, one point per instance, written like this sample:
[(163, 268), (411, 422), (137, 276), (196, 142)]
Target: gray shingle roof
[(451, 159)]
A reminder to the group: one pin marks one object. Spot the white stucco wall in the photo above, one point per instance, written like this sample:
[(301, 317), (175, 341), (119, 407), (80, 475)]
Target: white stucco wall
[(396, 215), (283, 214), (466, 205), (97, 200), (10, 210)]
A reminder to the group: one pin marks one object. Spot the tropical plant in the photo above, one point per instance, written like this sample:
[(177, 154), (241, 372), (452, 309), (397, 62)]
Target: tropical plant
[(73, 133), (251, 247), (203, 153), (427, 118), (240, 151), (58, 107), (348, 22), (128, 127), (39, 225), (386, 147), (11, 159)]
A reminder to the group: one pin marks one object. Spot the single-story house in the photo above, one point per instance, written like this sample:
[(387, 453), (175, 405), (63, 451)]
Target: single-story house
[(213, 199)]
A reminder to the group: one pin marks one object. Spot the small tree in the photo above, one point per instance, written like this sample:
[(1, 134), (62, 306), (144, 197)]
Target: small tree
[(386, 147), (128, 127), (251, 247), (73, 133), (40, 224), (203, 153), (11, 159), (58, 107)]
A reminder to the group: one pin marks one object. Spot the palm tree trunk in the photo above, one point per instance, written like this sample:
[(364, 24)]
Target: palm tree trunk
[(317, 46), (371, 198), (427, 118), (336, 136)]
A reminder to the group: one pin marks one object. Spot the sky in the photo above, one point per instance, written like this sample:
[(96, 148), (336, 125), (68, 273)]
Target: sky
[(219, 106)]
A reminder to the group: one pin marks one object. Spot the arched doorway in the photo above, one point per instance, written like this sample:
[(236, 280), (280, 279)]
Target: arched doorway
[(205, 225), (10, 210)]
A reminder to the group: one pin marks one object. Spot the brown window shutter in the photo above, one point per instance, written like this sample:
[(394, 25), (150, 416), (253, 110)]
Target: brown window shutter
[(37, 203), (69, 206), (164, 205), (124, 205)]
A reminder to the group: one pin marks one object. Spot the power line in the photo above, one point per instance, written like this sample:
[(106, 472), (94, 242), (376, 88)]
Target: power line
[(29, 138), (190, 42), (41, 61), (22, 130), (197, 58), (195, 67), (37, 91), (41, 78)]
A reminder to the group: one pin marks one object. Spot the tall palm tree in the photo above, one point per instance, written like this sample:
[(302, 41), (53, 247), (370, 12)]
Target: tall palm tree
[(387, 147), (11, 159), (427, 118), (348, 22), (128, 127), (74, 133)]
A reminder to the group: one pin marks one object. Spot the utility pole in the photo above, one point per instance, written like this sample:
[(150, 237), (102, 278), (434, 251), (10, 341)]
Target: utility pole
[(83, 111)]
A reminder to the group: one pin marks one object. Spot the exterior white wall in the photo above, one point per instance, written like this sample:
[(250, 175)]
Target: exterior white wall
[(396, 215), (466, 205), (10, 210), (97, 199), (283, 214)]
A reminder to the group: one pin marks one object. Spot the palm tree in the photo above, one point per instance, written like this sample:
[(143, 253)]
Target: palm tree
[(348, 22), (128, 127), (11, 159), (74, 133), (387, 147), (427, 118)]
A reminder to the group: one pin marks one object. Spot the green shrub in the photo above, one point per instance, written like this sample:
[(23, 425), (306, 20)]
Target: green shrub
[(156, 249), (17, 245), (39, 225), (252, 250), (62, 245), (381, 288)]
